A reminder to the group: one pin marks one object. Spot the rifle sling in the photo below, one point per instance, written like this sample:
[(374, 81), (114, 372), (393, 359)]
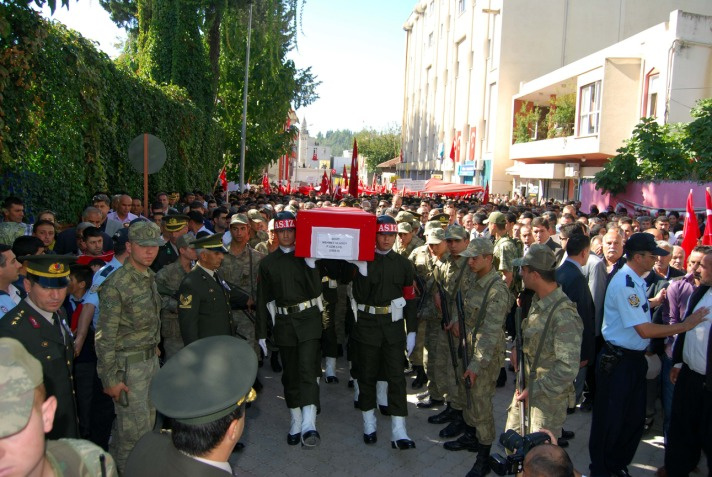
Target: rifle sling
[(535, 363)]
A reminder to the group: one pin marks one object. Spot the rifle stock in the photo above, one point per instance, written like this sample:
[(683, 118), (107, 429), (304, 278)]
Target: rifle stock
[(521, 384), (463, 342), (445, 310)]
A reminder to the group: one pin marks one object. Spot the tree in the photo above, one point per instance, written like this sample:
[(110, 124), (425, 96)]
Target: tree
[(698, 140), (654, 152), (339, 140), (379, 147)]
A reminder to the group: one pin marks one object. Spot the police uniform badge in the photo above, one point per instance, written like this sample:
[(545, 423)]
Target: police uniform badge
[(634, 301), (186, 301)]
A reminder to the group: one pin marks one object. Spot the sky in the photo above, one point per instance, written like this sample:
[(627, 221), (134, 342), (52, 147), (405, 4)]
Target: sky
[(355, 48)]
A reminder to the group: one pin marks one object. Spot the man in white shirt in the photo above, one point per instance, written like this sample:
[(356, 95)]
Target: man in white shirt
[(9, 272), (123, 211), (691, 417)]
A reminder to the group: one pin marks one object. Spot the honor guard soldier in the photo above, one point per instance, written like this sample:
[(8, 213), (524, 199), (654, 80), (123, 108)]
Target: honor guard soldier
[(127, 337), (551, 336), (485, 303), (619, 407), (385, 309), (36, 323), (175, 226), (204, 296), (205, 389), (289, 294), (168, 280)]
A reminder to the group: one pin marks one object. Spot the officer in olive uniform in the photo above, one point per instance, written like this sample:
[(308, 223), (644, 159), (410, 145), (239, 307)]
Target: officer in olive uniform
[(289, 294), (204, 392), (486, 302), (127, 337), (36, 323), (551, 336), (175, 226), (385, 310), (168, 280), (204, 296)]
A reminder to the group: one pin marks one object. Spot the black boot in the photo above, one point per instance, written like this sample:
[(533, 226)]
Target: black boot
[(274, 361), (421, 379), (467, 441), (447, 415), (502, 378), (481, 466), (454, 428)]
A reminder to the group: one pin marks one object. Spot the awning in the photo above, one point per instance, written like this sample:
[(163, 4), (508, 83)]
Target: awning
[(389, 163)]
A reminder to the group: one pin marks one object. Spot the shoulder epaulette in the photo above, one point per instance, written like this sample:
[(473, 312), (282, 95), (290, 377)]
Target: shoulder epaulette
[(629, 281)]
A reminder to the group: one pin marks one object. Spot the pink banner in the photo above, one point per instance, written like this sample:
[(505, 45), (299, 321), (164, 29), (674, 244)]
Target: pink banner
[(646, 196)]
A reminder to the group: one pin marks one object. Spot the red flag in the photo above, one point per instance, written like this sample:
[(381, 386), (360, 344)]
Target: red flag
[(452, 150), (338, 195), (223, 179), (346, 178), (289, 186), (353, 181), (375, 184), (691, 230), (401, 156), (324, 184), (265, 184), (314, 158), (707, 236), (485, 199)]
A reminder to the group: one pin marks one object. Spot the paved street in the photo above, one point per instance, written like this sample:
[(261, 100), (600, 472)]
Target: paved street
[(343, 453)]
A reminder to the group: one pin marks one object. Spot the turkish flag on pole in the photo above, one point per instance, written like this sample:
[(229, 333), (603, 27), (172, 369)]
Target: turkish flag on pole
[(345, 175), (324, 184), (353, 180), (265, 184), (691, 230), (223, 179), (452, 150), (707, 236), (485, 199)]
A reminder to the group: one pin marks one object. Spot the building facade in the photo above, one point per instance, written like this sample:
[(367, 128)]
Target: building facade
[(466, 60)]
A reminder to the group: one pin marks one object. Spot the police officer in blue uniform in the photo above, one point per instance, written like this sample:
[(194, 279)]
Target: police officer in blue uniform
[(619, 407)]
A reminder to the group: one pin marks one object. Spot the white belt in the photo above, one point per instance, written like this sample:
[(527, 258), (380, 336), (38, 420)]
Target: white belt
[(286, 310)]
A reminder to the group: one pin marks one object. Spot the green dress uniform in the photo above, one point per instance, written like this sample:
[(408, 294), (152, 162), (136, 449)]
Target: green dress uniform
[(293, 285), (168, 280), (127, 336), (558, 363), (54, 348), (167, 254), (380, 342), (204, 305)]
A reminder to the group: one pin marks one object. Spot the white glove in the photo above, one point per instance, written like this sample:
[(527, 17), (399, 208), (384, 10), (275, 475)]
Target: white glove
[(263, 345), (410, 342)]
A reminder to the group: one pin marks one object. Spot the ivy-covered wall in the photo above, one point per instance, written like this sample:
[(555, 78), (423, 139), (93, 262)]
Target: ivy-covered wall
[(68, 114)]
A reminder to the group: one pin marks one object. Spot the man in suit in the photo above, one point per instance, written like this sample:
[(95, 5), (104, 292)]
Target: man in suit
[(45, 334), (204, 296), (205, 388), (691, 420), (542, 235), (573, 283)]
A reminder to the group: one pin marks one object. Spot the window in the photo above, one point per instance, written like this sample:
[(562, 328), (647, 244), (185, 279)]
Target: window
[(460, 6), (651, 109), (430, 40), (589, 108)]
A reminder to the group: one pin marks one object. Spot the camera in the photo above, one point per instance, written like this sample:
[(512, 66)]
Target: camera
[(514, 463)]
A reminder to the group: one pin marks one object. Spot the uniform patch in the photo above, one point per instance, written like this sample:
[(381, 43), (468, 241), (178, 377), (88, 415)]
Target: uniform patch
[(4, 309), (629, 281), (94, 289), (186, 301), (634, 300), (33, 322)]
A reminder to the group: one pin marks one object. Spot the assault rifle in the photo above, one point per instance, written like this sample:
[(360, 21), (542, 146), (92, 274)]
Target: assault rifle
[(445, 309), (462, 348)]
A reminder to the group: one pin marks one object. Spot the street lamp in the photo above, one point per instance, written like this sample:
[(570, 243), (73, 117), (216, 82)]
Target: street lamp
[(244, 102)]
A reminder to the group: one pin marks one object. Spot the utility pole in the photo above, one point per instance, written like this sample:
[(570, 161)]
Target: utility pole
[(244, 103)]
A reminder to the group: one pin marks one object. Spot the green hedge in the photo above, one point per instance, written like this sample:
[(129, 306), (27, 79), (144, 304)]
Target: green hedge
[(68, 114)]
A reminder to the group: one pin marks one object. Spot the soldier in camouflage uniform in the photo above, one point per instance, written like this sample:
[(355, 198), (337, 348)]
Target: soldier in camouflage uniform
[(485, 302), (424, 259), (258, 226), (549, 376), (270, 245), (27, 415), (450, 276), (127, 339), (239, 267), (168, 281), (407, 240)]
